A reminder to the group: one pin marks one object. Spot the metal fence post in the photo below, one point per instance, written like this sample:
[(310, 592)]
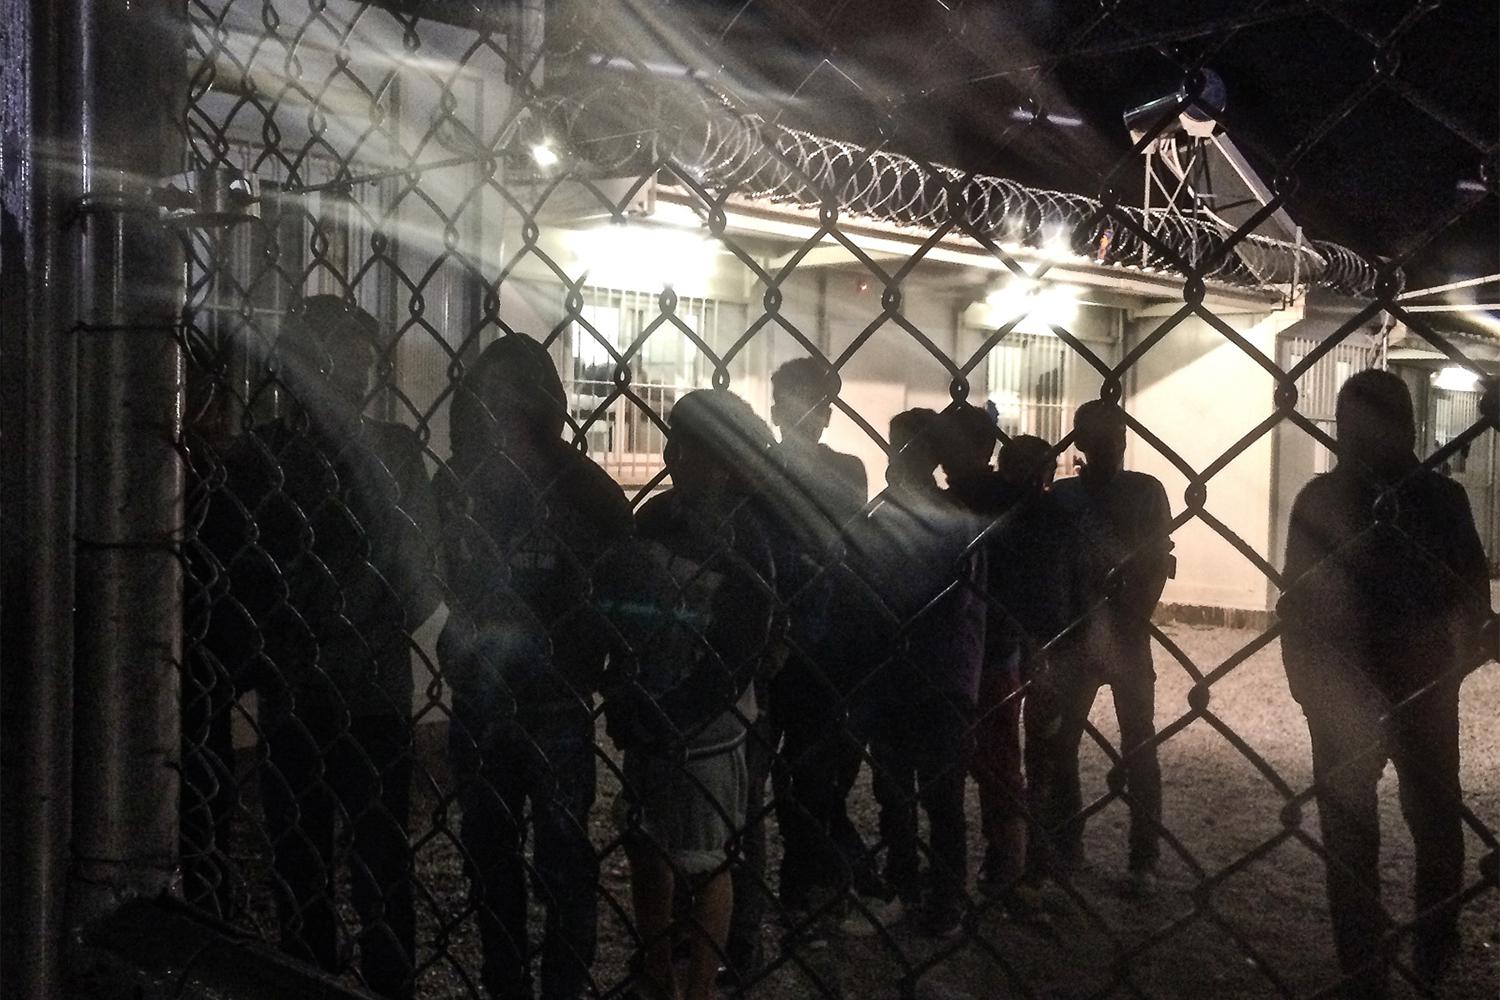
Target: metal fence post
[(37, 391), (128, 620)]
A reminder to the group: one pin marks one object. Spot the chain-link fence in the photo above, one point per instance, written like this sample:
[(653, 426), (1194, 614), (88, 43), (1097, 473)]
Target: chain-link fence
[(521, 655)]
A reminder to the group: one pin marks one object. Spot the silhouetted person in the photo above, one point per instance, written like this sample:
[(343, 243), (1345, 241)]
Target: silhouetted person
[(1122, 526), (1035, 578), (526, 518), (336, 575), (925, 645), (693, 605), (968, 441), (807, 707), (1387, 593)]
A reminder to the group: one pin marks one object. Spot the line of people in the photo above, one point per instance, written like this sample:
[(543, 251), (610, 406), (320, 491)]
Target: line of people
[(757, 623)]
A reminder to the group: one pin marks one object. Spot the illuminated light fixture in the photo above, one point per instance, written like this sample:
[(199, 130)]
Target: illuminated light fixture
[(1032, 307), (544, 155), (1029, 115), (1456, 379), (646, 258)]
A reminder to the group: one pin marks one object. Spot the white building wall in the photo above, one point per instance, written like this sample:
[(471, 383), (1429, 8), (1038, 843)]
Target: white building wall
[(1200, 394)]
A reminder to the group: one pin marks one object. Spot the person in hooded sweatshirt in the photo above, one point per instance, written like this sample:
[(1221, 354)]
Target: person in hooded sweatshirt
[(333, 570), (1386, 600), (527, 517), (924, 580), (693, 605)]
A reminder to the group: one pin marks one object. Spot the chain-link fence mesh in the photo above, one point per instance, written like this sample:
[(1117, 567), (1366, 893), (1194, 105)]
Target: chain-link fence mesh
[(522, 657)]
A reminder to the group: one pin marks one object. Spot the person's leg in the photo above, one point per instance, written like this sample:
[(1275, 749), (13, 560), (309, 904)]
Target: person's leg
[(893, 782), (1062, 827), (796, 809), (1427, 761), (491, 793), (300, 821), (998, 775), (374, 786), (816, 755), (1041, 724), (1135, 708), (1346, 773), (713, 903), (562, 794), (744, 949), (942, 773), (651, 886), (854, 853)]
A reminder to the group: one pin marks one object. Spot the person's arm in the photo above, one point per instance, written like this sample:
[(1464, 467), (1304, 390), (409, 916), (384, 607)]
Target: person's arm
[(1151, 564), (857, 482), (628, 596), (1306, 546), (1470, 566), (738, 636)]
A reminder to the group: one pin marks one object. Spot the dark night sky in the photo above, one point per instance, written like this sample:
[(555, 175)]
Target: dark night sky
[(943, 83)]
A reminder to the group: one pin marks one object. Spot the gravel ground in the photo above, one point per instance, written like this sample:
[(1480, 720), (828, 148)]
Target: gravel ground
[(1263, 928)]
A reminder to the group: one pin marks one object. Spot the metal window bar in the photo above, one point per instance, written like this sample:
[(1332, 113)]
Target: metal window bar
[(1319, 387), (624, 439), (1036, 383)]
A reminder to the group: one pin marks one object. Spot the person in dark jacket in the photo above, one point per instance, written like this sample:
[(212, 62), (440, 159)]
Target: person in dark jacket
[(1023, 558), (1122, 525), (526, 518), (335, 569), (925, 642), (693, 606), (1034, 578), (821, 491), (1387, 595)]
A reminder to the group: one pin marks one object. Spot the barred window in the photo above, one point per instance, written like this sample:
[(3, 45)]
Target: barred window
[(621, 435)]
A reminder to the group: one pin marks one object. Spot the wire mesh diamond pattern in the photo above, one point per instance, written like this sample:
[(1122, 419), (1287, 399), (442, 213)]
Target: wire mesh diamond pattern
[(432, 735)]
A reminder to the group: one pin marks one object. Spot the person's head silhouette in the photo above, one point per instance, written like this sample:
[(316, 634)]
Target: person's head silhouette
[(802, 393), (1027, 462), (914, 452), (967, 441), (1376, 426), (328, 349), (511, 397), (716, 445), (1099, 432)]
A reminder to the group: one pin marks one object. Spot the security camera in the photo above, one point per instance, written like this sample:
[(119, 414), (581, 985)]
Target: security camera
[(1195, 117)]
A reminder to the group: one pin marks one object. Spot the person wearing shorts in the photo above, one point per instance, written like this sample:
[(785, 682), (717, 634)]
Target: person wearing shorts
[(692, 602)]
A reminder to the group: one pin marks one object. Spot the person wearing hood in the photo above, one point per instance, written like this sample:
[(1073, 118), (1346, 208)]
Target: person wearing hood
[(1385, 605), (527, 517), (327, 525)]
